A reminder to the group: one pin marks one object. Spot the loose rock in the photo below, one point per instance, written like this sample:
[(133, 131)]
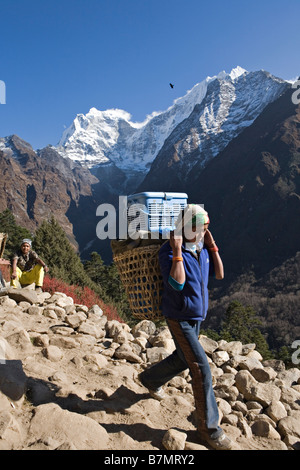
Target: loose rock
[(78, 371)]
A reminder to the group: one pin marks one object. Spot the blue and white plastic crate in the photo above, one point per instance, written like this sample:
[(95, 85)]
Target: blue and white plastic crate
[(158, 211)]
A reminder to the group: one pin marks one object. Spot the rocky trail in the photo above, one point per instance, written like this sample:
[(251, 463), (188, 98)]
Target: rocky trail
[(69, 380)]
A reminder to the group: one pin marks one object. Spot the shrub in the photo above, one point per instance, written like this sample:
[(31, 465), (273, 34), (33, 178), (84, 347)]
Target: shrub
[(80, 295)]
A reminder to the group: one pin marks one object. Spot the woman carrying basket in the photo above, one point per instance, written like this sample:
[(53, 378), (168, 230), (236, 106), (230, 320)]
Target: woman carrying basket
[(186, 262)]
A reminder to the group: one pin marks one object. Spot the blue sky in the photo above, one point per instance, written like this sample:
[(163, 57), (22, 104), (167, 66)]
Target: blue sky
[(59, 58)]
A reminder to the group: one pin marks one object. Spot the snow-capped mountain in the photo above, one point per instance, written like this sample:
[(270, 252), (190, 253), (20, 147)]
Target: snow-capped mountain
[(110, 136), (231, 104), (10, 150), (220, 107)]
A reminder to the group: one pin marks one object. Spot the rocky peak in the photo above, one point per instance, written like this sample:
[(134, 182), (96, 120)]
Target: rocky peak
[(39, 184), (194, 129), (228, 107)]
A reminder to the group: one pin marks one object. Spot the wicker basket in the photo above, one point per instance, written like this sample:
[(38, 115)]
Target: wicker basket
[(140, 275), (3, 238)]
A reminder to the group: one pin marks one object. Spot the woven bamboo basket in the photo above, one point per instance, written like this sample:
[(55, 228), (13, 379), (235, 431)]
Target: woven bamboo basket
[(140, 275)]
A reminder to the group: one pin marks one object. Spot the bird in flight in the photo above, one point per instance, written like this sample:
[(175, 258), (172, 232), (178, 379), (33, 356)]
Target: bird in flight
[(171, 85)]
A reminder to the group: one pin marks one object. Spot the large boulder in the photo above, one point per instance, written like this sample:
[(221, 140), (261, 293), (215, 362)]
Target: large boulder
[(64, 428)]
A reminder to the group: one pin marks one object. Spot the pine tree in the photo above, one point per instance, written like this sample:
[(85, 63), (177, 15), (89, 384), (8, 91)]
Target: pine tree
[(95, 268), (285, 354), (53, 246), (115, 290), (107, 278), (15, 232), (242, 324)]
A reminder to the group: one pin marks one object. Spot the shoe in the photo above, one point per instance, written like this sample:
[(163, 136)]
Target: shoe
[(221, 442), (157, 394)]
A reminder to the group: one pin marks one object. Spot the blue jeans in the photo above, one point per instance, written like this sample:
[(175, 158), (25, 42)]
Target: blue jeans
[(188, 354)]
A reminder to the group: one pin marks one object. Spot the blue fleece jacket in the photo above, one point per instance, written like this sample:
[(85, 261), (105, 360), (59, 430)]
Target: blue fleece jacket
[(190, 303)]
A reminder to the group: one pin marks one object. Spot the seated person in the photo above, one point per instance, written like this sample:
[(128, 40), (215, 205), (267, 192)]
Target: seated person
[(27, 267)]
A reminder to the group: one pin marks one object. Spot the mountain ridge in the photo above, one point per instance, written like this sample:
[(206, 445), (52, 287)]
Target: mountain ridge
[(226, 110), (109, 137), (188, 101), (38, 185)]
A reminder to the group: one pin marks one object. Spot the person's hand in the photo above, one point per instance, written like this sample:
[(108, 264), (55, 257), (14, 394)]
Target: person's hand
[(175, 242), (13, 275), (209, 239), (46, 269)]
